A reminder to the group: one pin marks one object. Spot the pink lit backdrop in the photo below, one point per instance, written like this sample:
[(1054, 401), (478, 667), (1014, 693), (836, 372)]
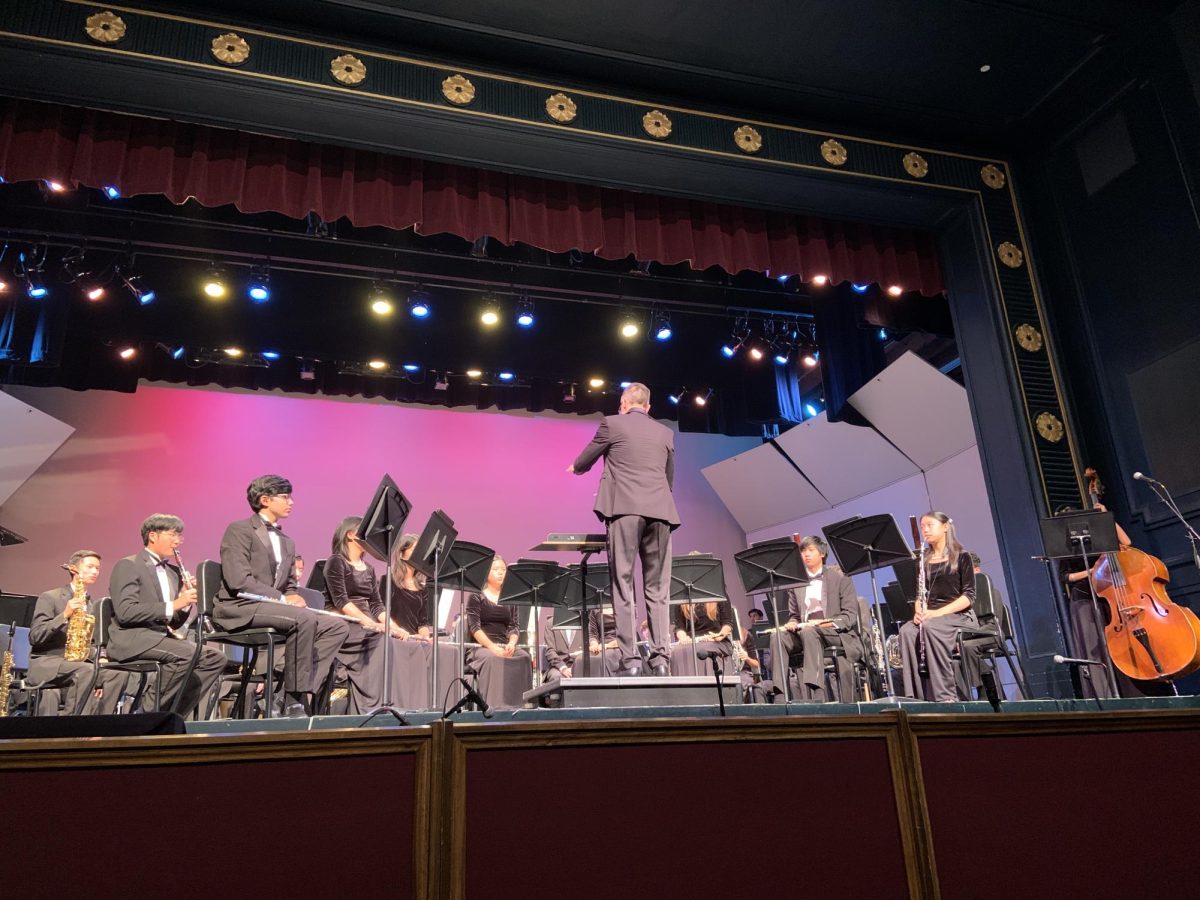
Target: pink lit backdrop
[(191, 452)]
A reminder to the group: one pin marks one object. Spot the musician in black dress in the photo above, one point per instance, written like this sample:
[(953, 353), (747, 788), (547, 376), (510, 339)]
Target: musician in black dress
[(352, 588), (504, 672), (713, 627), (950, 584), (609, 661), (412, 625)]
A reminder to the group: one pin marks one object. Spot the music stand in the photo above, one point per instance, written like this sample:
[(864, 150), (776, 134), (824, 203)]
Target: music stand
[(1081, 534), (767, 566), (694, 578), (599, 590), (466, 565), (864, 544), (378, 532), (434, 544), (534, 583)]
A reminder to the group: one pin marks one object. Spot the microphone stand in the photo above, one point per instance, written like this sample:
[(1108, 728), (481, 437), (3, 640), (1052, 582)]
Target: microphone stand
[(470, 695), (714, 657), (1160, 491)]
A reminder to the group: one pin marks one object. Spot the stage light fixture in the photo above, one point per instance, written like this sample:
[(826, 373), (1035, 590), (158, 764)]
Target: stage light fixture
[(380, 299), (625, 384), (595, 383), (127, 353), (811, 357), (525, 316), (3, 286), (505, 376), (308, 370), (144, 295), (111, 192), (702, 399), (677, 396), (782, 355), (440, 382), (178, 352), (490, 314), (270, 355), (76, 270), (214, 283), (783, 279), (234, 352), (258, 288), (820, 280), (883, 334), (55, 187), (730, 348), (661, 327), (811, 409), (630, 326), (755, 350), (412, 367), (860, 288), (894, 290), (377, 365), (474, 373), (418, 304)]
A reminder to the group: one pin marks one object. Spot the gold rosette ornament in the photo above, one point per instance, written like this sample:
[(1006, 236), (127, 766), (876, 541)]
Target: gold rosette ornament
[(993, 176), (1010, 254), (657, 124), (230, 49), (560, 108), (458, 90), (348, 69), (834, 153), (1029, 338), (915, 165), (105, 27), (747, 139), (1050, 427)]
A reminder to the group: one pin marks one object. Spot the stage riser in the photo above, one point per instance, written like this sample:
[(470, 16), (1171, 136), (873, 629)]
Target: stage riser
[(634, 692)]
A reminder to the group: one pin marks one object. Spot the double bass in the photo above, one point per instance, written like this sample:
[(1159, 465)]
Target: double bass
[(1149, 637)]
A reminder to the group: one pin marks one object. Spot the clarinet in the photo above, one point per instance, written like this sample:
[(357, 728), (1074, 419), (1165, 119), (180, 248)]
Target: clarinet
[(922, 603), (188, 582)]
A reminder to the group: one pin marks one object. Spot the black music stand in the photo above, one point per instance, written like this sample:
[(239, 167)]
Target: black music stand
[(434, 544), (532, 584), (599, 591), (1080, 534), (695, 578), (864, 544), (378, 533), (466, 566), (767, 566)]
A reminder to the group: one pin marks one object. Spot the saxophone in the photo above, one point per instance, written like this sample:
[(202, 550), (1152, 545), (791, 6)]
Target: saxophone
[(6, 676), (81, 625)]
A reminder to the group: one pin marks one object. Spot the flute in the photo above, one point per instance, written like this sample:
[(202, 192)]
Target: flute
[(263, 598)]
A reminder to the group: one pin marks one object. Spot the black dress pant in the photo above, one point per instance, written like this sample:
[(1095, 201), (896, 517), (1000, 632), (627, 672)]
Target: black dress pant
[(176, 657), (312, 642)]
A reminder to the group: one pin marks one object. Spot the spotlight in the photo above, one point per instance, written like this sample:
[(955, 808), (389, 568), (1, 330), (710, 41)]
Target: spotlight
[(270, 355), (490, 316), (661, 327), (625, 384), (418, 304), (756, 351), (77, 271), (630, 327), (505, 376), (894, 290), (412, 367), (883, 334), (860, 288), (474, 373), (3, 286), (820, 280), (677, 396), (783, 279), (55, 187), (525, 317), (810, 409), (380, 300), (440, 382), (178, 352), (111, 192), (137, 287), (94, 292), (233, 352), (377, 365), (810, 358), (259, 287), (702, 399), (595, 383), (730, 349), (214, 283), (781, 356), (127, 353)]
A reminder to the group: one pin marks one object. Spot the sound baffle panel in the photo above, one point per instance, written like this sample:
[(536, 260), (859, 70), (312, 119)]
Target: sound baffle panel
[(28, 437), (762, 488), (918, 409), (844, 461)]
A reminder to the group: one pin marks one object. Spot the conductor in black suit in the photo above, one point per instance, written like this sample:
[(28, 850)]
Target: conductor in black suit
[(148, 596), (258, 558), (635, 503)]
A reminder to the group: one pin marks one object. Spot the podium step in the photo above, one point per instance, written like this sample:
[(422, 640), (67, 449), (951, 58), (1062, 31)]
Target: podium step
[(686, 690)]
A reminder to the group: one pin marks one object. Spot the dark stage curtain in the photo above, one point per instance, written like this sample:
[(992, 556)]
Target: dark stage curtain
[(259, 173), (851, 355)]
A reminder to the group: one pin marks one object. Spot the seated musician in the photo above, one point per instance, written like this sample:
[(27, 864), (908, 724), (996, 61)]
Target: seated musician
[(412, 627), (48, 664), (950, 585), (712, 623), (352, 589), (561, 652), (504, 672), (257, 558), (149, 596), (609, 661), (749, 665), (823, 613)]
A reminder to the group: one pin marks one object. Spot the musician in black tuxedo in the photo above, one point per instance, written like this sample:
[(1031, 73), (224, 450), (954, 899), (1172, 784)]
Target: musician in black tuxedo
[(635, 503), (257, 558), (821, 614), (48, 643), (148, 595)]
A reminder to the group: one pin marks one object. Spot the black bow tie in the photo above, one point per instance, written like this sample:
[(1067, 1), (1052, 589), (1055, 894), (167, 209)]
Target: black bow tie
[(162, 562), (272, 527)]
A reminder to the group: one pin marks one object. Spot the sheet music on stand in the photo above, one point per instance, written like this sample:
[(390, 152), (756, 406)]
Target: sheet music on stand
[(768, 566)]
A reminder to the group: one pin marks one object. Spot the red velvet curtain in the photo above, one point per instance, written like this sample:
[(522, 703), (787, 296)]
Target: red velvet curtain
[(259, 173)]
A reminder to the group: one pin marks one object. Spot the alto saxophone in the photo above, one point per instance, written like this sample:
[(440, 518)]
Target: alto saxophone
[(6, 668), (81, 624)]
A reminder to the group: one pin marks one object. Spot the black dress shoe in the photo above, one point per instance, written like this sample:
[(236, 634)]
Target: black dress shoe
[(630, 672), (659, 671)]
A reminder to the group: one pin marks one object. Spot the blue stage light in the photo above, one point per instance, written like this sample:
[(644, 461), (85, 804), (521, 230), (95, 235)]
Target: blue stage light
[(111, 192), (411, 367), (810, 409), (781, 359), (177, 353), (270, 355), (625, 384), (661, 327), (418, 306), (883, 335), (525, 316), (36, 291), (727, 350), (783, 279), (505, 376), (674, 398), (258, 288), (860, 288)]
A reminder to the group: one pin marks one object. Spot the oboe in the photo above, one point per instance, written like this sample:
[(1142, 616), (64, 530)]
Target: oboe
[(188, 583), (922, 603)]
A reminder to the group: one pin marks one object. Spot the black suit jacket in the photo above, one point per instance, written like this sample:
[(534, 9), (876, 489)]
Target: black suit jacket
[(639, 467), (246, 566), (840, 602), (139, 614)]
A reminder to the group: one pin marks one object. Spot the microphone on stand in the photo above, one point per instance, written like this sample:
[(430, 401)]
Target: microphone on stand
[(470, 695), (1138, 476), (1069, 661)]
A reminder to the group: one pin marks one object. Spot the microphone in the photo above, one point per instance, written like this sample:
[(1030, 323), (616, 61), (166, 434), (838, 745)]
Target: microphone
[(706, 653), (470, 695), (1067, 660), (1138, 476)]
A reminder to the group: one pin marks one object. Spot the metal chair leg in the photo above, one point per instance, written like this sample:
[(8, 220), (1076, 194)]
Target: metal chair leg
[(270, 679)]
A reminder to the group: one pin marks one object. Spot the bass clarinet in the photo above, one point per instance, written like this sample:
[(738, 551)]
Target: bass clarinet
[(922, 604)]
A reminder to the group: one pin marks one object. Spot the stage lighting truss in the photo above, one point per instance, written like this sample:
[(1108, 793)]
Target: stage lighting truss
[(258, 288)]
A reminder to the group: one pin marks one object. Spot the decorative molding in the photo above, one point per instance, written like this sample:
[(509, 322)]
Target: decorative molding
[(748, 139), (458, 90), (348, 69), (1029, 338), (1010, 254), (560, 108), (657, 124), (993, 176), (915, 165), (105, 27), (834, 152), (1050, 427), (230, 49)]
